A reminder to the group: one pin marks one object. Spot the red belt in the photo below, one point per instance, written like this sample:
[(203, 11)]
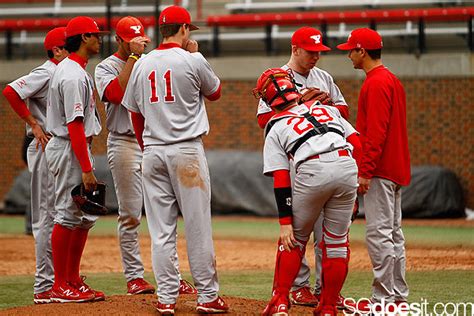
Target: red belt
[(342, 153)]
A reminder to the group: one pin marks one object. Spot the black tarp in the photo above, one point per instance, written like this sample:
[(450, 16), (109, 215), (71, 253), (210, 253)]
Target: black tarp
[(238, 186)]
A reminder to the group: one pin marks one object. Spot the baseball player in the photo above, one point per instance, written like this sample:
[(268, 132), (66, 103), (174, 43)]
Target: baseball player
[(33, 89), (384, 167), (72, 120), (124, 153), (165, 94), (316, 138), (306, 46)]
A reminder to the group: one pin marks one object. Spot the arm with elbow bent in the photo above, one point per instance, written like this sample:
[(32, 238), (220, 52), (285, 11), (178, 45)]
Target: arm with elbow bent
[(216, 95), (19, 106)]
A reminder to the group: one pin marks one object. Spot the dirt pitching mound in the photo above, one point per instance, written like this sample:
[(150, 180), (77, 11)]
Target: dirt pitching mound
[(143, 305)]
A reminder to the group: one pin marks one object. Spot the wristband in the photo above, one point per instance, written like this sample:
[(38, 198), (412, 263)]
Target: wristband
[(134, 56)]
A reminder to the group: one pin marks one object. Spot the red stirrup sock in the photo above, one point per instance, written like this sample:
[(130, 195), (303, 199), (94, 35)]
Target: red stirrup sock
[(60, 240), (287, 265), (76, 248)]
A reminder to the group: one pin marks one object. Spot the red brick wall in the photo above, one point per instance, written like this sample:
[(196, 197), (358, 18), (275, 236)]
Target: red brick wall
[(440, 125)]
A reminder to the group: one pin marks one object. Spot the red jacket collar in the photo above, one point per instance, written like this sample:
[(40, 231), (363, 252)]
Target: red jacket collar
[(168, 46), (375, 69), (78, 59)]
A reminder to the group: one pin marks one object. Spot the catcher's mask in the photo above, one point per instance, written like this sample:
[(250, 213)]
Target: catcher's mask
[(90, 202), (276, 87)]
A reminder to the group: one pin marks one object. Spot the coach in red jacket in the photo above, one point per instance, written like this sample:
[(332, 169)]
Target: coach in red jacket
[(385, 164)]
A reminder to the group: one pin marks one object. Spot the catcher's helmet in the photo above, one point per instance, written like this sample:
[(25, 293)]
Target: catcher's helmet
[(276, 86), (90, 202)]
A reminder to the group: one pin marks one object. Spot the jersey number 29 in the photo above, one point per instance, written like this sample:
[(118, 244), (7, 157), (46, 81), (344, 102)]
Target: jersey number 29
[(169, 96)]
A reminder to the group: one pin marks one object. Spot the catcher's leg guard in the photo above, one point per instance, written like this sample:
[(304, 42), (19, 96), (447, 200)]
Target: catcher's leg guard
[(335, 265), (287, 265)]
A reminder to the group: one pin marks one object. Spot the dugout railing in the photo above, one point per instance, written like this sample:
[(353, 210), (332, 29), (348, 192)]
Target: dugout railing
[(269, 27)]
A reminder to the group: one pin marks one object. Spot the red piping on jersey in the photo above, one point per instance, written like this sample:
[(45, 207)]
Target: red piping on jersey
[(79, 144), (118, 56), (17, 104), (263, 119), (138, 122), (114, 92), (216, 95), (78, 59), (54, 60), (167, 46)]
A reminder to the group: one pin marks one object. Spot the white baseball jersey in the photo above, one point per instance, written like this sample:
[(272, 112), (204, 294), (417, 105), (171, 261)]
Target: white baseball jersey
[(290, 126), (71, 95), (317, 78), (33, 88), (118, 118), (168, 104)]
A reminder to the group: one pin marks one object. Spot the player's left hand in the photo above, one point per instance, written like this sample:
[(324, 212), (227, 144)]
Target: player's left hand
[(286, 237), (364, 185), (41, 137), (138, 44), (191, 46)]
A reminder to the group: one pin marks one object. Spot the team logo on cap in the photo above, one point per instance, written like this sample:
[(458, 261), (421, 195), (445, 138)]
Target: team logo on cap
[(316, 38), (163, 20), (136, 28)]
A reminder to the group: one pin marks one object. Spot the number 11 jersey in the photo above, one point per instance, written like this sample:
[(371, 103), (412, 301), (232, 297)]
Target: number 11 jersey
[(167, 87)]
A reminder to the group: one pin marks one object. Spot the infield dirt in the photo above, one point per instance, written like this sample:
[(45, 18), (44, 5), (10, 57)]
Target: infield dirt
[(102, 256)]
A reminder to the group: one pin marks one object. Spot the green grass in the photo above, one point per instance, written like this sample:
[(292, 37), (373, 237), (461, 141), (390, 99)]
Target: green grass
[(231, 228), (434, 286)]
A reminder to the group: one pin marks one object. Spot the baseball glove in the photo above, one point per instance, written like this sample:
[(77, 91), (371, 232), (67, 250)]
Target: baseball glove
[(314, 94), (92, 203)]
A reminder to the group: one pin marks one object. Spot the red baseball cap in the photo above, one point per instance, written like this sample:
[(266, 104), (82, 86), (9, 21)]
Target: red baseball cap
[(176, 15), (362, 38), (82, 25), (55, 37), (309, 39), (130, 27)]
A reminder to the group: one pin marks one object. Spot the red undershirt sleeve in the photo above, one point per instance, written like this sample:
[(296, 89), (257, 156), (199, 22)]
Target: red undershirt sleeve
[(138, 122), (344, 110), (263, 119), (114, 92), (282, 188), (216, 95), (18, 104), (354, 140), (79, 144)]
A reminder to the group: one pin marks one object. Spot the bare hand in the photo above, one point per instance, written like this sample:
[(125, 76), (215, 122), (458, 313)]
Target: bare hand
[(41, 137), (191, 46), (89, 180), (286, 237), (364, 185), (138, 44)]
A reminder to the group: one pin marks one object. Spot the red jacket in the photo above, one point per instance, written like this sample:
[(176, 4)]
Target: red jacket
[(381, 122)]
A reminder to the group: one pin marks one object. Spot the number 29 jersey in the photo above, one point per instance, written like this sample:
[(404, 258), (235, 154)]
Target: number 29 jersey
[(285, 129), (167, 87)]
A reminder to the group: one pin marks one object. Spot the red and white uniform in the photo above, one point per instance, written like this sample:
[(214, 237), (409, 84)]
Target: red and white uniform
[(34, 89), (167, 87)]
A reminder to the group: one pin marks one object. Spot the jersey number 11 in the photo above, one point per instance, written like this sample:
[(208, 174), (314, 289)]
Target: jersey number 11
[(169, 97)]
